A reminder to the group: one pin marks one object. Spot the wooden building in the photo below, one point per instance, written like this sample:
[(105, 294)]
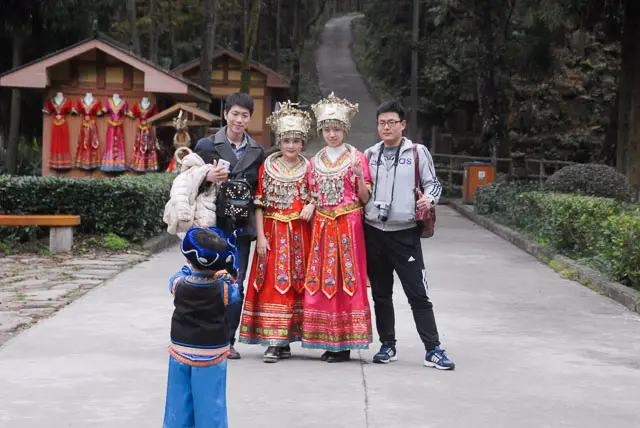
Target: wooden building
[(100, 66), (265, 85)]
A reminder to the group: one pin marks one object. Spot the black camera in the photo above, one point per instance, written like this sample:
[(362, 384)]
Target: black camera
[(383, 216)]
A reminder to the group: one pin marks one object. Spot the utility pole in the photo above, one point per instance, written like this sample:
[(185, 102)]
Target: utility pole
[(413, 125)]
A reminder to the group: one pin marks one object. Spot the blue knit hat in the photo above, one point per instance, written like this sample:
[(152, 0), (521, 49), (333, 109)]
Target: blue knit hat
[(206, 258)]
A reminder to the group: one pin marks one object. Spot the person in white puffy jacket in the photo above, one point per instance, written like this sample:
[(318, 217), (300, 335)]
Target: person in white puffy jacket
[(189, 206)]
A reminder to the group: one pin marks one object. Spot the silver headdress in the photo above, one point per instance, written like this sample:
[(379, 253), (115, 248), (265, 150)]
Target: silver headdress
[(334, 111), (290, 121)]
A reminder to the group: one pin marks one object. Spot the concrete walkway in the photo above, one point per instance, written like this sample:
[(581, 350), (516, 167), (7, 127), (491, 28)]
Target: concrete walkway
[(533, 350), (338, 72)]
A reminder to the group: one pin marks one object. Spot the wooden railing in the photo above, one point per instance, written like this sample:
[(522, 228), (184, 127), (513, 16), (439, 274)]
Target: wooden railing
[(450, 167)]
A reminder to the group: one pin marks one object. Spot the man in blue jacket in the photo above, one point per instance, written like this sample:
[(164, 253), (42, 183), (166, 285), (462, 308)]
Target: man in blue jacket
[(392, 235), (245, 155)]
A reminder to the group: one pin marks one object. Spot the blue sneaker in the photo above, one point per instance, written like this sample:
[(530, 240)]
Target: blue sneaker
[(438, 359), (386, 354)]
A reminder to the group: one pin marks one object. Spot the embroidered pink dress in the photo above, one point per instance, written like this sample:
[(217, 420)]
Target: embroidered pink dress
[(336, 316), (113, 159)]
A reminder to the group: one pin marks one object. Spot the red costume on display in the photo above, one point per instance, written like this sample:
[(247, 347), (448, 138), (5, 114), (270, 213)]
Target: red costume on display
[(60, 157), (145, 156), (88, 151)]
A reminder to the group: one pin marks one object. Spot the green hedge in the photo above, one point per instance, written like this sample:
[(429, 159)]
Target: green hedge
[(603, 231), (128, 206)]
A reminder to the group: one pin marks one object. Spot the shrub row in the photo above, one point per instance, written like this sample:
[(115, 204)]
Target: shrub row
[(128, 206), (604, 231)]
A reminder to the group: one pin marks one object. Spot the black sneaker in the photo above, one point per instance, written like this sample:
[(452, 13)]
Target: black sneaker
[(339, 357), (285, 352), (386, 354), (233, 354), (271, 355)]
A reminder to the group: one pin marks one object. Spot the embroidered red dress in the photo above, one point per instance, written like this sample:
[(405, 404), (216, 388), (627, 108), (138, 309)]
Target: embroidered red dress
[(272, 314), (113, 159), (88, 151), (60, 153), (145, 156)]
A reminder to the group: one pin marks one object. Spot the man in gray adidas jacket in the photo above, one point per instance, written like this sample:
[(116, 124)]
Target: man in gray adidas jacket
[(392, 235)]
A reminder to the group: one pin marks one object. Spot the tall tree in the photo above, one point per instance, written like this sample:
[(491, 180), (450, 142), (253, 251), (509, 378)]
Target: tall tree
[(302, 25), (278, 33), (490, 21), (172, 34), (14, 126), (250, 37), (154, 37), (133, 26), (208, 42), (628, 159)]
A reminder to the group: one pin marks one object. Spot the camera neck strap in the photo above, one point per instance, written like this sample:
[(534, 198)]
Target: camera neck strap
[(395, 168)]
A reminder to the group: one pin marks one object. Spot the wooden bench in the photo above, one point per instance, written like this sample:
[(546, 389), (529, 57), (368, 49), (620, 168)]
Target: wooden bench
[(60, 232)]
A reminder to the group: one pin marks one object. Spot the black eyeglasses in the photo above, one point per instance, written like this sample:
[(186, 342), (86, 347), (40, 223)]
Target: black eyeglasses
[(391, 123)]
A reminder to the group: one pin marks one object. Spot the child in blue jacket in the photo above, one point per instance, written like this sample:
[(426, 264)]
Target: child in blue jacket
[(197, 383)]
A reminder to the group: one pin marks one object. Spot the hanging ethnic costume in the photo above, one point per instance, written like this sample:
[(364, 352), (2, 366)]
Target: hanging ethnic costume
[(60, 157), (272, 314), (88, 151), (145, 155), (197, 380), (337, 316), (113, 159)]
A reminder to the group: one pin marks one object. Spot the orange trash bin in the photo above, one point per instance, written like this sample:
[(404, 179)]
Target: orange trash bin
[(476, 174)]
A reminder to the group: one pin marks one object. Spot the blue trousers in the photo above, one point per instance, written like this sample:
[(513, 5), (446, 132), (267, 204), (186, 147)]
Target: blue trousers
[(196, 396)]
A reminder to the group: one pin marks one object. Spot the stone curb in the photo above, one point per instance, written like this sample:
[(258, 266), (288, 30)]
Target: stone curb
[(567, 267), (160, 243)]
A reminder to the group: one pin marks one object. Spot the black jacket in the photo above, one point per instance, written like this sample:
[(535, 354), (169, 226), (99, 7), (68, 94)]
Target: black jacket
[(247, 167)]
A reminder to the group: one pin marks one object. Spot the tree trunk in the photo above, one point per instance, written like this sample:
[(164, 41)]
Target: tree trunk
[(153, 31), (172, 37), (632, 157), (249, 43), (133, 27), (610, 143), (208, 44), (300, 34), (278, 33), (14, 124), (490, 80)]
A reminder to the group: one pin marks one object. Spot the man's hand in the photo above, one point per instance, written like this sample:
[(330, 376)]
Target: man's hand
[(217, 174), (307, 212), (424, 201)]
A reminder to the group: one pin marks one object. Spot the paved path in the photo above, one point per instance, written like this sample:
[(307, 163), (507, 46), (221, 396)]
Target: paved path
[(34, 286), (533, 350), (338, 72)]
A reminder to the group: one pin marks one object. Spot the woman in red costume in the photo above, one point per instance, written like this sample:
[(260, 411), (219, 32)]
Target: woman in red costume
[(272, 314)]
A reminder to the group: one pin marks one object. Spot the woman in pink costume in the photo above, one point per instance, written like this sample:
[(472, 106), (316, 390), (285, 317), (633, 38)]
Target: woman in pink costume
[(113, 159), (337, 317)]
